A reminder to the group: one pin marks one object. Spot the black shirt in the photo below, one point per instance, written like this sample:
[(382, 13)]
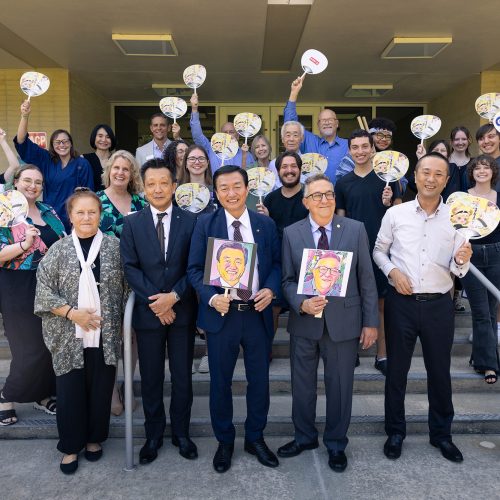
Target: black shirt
[(285, 211), (361, 198), (85, 243), (95, 163)]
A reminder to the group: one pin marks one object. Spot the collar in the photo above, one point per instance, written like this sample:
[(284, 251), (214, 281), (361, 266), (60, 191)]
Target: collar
[(244, 219), (155, 212), (419, 209), (315, 225), (336, 141)]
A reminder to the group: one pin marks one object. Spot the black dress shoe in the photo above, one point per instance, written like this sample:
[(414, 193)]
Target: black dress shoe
[(337, 460), (93, 456), (149, 451), (187, 448), (381, 365), (357, 361), (260, 449), (292, 449), (393, 445), (69, 468), (222, 457), (449, 450)]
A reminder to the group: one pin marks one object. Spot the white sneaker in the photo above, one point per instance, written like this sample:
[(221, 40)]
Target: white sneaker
[(203, 368)]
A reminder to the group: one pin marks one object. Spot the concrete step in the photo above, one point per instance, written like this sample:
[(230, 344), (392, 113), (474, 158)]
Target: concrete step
[(474, 413)]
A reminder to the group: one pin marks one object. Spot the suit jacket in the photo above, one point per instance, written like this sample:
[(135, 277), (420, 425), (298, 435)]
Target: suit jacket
[(268, 253), (148, 273), (343, 316), (143, 153)]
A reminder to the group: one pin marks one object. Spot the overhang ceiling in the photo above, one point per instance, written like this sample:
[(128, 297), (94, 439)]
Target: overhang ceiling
[(227, 36)]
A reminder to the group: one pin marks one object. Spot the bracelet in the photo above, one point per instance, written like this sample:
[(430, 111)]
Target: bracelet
[(21, 245), (67, 312)]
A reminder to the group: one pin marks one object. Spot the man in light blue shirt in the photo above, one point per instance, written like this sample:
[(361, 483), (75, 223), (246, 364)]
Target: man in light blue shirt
[(331, 146), (242, 158)]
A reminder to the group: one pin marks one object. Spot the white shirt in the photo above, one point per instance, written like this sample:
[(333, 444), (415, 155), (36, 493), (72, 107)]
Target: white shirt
[(317, 233), (247, 236), (165, 221), (421, 246)]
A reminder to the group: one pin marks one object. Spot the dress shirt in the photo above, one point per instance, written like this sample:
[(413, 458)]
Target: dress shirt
[(421, 246), (313, 143), (247, 236), (317, 233), (157, 151), (165, 221)]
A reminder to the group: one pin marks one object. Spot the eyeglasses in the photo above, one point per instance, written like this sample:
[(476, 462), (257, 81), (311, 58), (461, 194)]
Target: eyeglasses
[(63, 142), (196, 159), (28, 182), (323, 270), (328, 120), (329, 195), (380, 136)]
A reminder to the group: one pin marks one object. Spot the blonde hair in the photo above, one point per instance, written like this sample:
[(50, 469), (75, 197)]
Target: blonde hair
[(135, 183)]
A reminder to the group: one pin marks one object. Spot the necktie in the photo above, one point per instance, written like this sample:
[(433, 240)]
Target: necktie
[(323, 239), (242, 294), (160, 231)]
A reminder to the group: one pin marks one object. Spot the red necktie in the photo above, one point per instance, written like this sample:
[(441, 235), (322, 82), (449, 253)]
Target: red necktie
[(242, 294)]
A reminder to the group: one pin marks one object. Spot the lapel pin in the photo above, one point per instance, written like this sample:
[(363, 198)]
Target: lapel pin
[(258, 230), (338, 225)]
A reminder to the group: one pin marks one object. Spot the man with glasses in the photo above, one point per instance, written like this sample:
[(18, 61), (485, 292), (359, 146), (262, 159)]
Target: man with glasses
[(345, 322), (328, 144)]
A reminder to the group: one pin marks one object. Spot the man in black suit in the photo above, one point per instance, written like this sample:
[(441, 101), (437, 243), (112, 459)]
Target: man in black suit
[(154, 246)]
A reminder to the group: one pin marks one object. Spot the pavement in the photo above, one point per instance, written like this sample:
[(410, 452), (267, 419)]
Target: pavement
[(30, 469)]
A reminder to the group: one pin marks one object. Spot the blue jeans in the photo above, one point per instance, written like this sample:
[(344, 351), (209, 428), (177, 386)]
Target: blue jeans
[(484, 306)]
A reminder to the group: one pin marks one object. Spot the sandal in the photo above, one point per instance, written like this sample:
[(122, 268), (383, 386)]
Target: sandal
[(490, 378), (7, 417), (49, 407)]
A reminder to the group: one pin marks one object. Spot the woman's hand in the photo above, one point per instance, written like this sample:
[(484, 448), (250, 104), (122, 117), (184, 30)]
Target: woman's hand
[(29, 237), (176, 131), (85, 318), (25, 108), (421, 151), (194, 102)]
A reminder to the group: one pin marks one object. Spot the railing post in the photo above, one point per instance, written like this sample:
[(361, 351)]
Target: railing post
[(127, 368)]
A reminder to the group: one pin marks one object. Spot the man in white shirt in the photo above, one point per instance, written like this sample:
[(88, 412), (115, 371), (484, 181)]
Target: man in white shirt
[(155, 149), (416, 249)]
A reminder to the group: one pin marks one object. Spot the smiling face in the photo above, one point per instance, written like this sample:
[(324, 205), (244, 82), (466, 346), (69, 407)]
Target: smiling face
[(289, 172), (325, 274), (102, 140), (360, 150), (159, 188), (232, 193), (180, 152), (292, 137), (482, 173), (159, 128), (460, 142), (30, 184), (62, 145), (328, 123), (231, 265), (321, 210), (431, 177), (228, 128), (441, 149), (120, 173), (261, 149), (382, 139), (85, 216), (489, 143), (196, 162)]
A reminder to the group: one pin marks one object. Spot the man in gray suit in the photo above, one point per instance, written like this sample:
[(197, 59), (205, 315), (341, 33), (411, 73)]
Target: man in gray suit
[(154, 149), (345, 322)]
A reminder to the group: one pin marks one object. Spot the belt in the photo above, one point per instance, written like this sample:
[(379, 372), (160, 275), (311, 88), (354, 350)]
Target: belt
[(425, 297), (242, 306)]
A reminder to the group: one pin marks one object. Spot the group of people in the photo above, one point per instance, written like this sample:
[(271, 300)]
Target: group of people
[(109, 224)]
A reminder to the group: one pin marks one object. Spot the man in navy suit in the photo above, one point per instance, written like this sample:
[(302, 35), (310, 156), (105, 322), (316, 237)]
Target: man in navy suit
[(243, 318), (154, 246)]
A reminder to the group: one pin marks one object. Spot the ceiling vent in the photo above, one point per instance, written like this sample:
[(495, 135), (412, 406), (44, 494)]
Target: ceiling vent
[(415, 48), (368, 91), (146, 45)]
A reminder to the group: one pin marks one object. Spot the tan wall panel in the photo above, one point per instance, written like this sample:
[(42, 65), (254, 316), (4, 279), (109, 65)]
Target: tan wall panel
[(87, 109)]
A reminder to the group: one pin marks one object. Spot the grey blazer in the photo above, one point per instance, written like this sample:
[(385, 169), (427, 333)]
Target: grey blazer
[(344, 316), (145, 153)]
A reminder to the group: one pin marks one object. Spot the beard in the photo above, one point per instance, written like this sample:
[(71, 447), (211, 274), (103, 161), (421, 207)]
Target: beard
[(290, 183)]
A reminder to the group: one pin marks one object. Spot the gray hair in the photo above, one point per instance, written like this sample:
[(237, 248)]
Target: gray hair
[(315, 178), (291, 122)]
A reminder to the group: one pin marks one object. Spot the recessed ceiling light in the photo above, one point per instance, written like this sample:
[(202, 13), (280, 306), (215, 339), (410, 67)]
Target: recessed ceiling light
[(146, 45), (376, 90), (415, 48)]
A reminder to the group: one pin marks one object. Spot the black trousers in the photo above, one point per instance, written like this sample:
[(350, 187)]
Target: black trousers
[(433, 322), (84, 403), (31, 375), (151, 345)]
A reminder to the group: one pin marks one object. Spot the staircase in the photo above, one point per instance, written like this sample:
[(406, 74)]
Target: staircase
[(477, 405)]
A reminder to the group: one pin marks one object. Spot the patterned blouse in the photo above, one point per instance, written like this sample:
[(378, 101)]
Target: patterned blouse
[(58, 276), (112, 218), (29, 260)]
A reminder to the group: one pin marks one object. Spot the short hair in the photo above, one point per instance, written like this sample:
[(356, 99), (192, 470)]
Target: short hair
[(316, 178), (23, 168), (171, 151), (108, 130), (382, 124), (436, 142), (158, 115), (485, 129), (186, 176), (135, 183), (52, 152), (433, 154), (483, 160), (288, 124), (254, 143), (229, 169), (82, 192), (285, 154), (360, 133), (466, 131), (236, 245), (156, 164)]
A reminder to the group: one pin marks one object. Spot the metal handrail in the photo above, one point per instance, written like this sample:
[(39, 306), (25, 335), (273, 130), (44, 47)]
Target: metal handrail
[(485, 281), (127, 369)]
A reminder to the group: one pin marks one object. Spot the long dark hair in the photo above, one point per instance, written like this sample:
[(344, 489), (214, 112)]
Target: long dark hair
[(185, 175), (53, 155)]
